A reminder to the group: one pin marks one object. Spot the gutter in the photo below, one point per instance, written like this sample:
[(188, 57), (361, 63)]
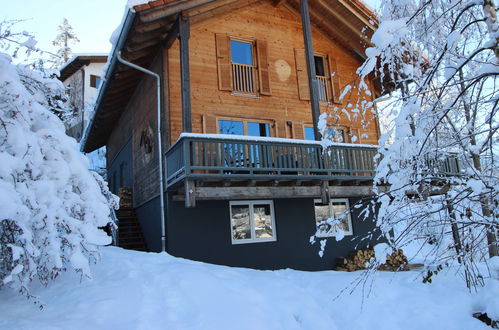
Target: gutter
[(127, 24), (160, 151)]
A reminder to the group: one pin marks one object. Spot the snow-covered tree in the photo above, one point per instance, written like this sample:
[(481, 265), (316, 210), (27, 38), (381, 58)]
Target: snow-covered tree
[(440, 61), (50, 204), (63, 40)]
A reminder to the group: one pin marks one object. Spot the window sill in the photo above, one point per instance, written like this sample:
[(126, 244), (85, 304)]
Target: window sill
[(253, 96), (249, 241)]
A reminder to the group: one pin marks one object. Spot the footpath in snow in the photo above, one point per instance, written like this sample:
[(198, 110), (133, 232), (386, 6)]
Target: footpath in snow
[(136, 290)]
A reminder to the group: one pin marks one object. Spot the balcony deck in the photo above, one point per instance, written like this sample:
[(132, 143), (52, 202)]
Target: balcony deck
[(211, 157), (256, 166)]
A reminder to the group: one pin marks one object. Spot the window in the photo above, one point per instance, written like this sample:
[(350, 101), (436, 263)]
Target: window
[(252, 221), (243, 66), (243, 127), (95, 81), (326, 73), (336, 134), (322, 79), (333, 216)]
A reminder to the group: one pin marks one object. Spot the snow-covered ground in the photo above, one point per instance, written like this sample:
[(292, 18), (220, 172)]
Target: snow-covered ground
[(136, 290)]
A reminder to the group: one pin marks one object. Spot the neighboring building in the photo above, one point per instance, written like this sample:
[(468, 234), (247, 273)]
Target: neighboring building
[(81, 75), (253, 196)]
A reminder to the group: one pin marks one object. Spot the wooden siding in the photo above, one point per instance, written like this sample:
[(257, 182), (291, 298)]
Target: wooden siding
[(281, 29), (139, 122)]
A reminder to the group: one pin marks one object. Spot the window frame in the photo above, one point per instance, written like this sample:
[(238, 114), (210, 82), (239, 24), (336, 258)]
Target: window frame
[(250, 204), (331, 214), (95, 81), (245, 122), (346, 132), (254, 65)]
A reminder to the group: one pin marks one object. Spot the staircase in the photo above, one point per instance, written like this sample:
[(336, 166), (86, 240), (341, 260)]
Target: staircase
[(129, 232)]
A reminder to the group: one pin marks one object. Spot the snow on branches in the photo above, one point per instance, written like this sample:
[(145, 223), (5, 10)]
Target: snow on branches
[(50, 205), (439, 61)]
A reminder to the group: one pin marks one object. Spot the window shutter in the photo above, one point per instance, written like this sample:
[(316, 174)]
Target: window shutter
[(223, 62), (209, 124), (335, 80), (299, 133), (263, 67), (301, 74)]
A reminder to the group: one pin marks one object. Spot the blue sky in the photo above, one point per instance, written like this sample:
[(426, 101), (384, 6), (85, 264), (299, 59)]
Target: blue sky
[(93, 20)]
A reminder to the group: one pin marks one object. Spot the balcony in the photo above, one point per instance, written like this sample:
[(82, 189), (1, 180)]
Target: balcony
[(213, 166), (232, 157)]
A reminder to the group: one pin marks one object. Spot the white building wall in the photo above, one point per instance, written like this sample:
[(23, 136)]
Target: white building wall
[(91, 92)]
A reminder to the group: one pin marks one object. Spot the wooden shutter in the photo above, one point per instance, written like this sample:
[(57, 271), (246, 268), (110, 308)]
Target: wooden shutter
[(335, 80), (263, 67), (301, 74), (209, 124), (299, 131), (223, 62)]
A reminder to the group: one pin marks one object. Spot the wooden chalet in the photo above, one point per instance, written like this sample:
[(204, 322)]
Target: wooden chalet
[(242, 84)]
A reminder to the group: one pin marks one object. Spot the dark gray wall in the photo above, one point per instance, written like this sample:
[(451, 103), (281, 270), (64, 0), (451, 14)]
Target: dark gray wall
[(119, 172), (149, 218), (203, 233)]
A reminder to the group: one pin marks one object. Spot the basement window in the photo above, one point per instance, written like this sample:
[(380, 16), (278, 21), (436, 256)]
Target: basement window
[(332, 217), (252, 221)]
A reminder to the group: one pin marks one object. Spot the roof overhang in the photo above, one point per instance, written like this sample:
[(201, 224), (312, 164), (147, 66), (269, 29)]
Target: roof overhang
[(147, 28)]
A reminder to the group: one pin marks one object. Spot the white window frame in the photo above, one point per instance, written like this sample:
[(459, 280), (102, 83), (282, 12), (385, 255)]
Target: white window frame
[(252, 225), (331, 214)]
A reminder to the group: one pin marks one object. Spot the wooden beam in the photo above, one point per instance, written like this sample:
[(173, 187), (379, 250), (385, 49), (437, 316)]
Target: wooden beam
[(219, 8), (139, 46), (148, 27), (278, 3), (309, 55), (154, 14), (138, 38), (347, 23), (190, 194), (171, 37), (225, 193), (185, 80)]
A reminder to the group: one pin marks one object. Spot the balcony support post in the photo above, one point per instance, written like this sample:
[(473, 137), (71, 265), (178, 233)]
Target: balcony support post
[(312, 78), (190, 193), (325, 192), (185, 81)]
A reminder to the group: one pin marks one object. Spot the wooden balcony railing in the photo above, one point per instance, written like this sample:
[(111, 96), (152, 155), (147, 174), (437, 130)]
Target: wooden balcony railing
[(324, 89), (238, 157), (243, 78)]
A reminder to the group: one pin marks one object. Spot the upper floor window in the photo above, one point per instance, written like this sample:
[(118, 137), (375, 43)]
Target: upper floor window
[(243, 66), (326, 73), (322, 75), (95, 81)]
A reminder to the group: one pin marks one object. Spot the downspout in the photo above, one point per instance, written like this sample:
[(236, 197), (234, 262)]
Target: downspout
[(160, 149)]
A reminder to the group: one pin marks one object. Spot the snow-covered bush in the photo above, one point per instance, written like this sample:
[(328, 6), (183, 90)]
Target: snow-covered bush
[(50, 204)]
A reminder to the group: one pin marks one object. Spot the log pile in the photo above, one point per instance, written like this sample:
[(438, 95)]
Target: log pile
[(125, 194), (360, 259)]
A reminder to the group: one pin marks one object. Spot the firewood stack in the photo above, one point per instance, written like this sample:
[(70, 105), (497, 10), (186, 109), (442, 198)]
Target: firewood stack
[(360, 258), (125, 194), (395, 261)]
